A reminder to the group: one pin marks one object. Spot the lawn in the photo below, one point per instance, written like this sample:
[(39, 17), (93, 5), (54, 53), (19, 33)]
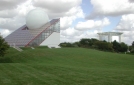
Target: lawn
[(66, 66)]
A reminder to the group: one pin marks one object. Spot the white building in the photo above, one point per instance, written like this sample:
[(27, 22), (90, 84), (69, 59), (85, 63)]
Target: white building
[(110, 34), (47, 35)]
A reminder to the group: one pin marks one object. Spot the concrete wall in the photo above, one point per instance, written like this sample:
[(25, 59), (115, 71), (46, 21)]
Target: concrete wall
[(53, 40)]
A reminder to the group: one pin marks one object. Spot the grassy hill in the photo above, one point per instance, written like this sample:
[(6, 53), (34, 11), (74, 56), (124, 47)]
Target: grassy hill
[(66, 66)]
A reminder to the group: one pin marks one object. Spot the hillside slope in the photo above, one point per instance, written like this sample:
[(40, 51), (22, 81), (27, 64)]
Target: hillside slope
[(67, 66)]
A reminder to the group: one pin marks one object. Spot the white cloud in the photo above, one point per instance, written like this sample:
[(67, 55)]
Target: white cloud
[(66, 22), (12, 23), (75, 11), (131, 1), (70, 16), (70, 32), (72, 35), (5, 32), (128, 37), (14, 18), (126, 25), (111, 8), (20, 9), (92, 24), (24, 8), (8, 13), (57, 6), (60, 8), (10, 4)]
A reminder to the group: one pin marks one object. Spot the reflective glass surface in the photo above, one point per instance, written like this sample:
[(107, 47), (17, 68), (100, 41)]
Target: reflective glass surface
[(24, 37), (54, 27)]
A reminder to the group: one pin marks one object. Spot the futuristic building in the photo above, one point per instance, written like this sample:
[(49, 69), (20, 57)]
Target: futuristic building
[(36, 32), (110, 34)]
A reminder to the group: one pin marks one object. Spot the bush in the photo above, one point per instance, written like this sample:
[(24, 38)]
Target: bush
[(88, 42), (116, 46), (3, 47), (123, 47), (119, 47), (66, 44), (105, 46)]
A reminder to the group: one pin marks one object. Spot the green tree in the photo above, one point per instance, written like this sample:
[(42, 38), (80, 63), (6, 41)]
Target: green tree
[(3, 47), (87, 42), (105, 46), (66, 44), (132, 47), (116, 46), (133, 44), (76, 44), (84, 42), (123, 47)]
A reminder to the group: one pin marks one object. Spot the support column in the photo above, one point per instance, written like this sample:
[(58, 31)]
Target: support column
[(100, 37), (119, 38), (109, 37)]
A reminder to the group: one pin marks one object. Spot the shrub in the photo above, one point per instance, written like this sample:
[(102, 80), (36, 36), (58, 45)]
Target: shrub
[(3, 47), (105, 46)]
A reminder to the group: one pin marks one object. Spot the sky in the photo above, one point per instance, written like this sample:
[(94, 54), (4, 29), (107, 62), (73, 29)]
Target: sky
[(79, 18)]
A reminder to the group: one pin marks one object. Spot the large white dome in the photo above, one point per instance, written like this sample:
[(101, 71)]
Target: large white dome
[(36, 18)]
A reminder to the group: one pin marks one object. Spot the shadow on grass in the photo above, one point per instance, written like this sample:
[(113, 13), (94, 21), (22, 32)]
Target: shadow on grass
[(5, 60)]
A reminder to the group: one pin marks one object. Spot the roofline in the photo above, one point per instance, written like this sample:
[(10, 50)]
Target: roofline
[(106, 33)]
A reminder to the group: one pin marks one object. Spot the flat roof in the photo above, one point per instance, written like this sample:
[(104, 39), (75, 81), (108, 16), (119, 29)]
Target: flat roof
[(111, 33)]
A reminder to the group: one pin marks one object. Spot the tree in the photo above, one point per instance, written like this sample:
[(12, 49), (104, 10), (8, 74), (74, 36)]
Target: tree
[(3, 47), (105, 46), (116, 46), (119, 47), (124, 47), (132, 47), (76, 44), (85, 42), (66, 44), (133, 44)]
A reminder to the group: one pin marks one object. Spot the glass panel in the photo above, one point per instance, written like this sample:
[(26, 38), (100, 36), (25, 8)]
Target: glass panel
[(54, 27)]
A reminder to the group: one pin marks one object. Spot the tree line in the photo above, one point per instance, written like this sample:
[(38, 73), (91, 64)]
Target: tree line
[(85, 43), (100, 45)]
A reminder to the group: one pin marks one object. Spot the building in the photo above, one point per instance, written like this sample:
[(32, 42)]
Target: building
[(110, 34), (46, 35)]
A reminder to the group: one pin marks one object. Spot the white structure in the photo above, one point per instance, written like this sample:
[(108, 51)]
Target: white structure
[(110, 34), (36, 18), (38, 31), (52, 41)]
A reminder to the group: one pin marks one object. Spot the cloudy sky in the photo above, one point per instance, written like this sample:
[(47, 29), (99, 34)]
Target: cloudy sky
[(79, 18)]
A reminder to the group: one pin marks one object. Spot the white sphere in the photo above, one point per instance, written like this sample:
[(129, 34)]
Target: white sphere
[(36, 19)]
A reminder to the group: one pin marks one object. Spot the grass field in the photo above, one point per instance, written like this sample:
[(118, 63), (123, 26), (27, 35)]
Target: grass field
[(67, 66)]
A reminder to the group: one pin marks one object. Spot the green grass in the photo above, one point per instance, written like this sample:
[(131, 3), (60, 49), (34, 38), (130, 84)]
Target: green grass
[(66, 66)]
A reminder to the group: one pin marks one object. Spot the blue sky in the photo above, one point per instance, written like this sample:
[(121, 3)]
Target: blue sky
[(88, 8), (79, 18), (115, 21)]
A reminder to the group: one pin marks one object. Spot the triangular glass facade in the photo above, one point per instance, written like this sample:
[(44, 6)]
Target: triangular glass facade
[(23, 37)]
